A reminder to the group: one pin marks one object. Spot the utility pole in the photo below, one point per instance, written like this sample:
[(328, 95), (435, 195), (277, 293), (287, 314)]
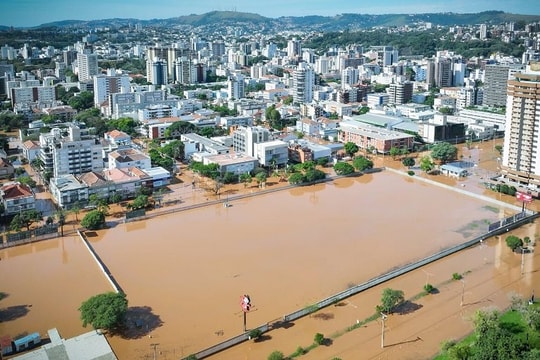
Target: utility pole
[(522, 259), (154, 346), (383, 318), (462, 291)]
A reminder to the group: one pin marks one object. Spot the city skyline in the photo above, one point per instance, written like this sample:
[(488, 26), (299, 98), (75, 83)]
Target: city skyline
[(29, 13)]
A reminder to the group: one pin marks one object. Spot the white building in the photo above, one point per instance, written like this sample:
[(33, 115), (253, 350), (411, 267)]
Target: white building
[(127, 158), (274, 152), (87, 65), (104, 85), (245, 138), (303, 83), (71, 153)]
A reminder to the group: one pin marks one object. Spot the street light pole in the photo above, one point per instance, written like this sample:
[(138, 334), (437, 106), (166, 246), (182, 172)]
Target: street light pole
[(522, 259), (462, 291), (154, 346), (383, 318)]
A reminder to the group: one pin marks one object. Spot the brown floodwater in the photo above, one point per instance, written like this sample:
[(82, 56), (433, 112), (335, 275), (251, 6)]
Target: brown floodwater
[(184, 273)]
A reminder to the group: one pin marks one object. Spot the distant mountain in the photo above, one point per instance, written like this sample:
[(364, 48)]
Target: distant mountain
[(328, 23)]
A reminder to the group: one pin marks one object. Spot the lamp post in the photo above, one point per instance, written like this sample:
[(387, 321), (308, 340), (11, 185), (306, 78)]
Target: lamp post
[(383, 318), (522, 260), (154, 346), (462, 291)]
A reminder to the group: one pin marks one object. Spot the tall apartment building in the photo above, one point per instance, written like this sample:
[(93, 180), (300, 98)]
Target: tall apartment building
[(235, 87), (245, 138), (156, 72), (495, 83), (73, 153), (87, 65), (104, 85), (303, 83), (443, 73), (167, 54), (183, 70), (349, 77), (521, 156), (44, 95), (400, 93), (294, 48)]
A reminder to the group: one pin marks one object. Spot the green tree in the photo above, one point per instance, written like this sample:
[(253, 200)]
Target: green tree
[(444, 152), (318, 338), (104, 311), (494, 341), (343, 168), (125, 124), (27, 180), (276, 355), (390, 299), (426, 164), (246, 179), (288, 100), (408, 162), (261, 178), (76, 209), (513, 242), (25, 219), (394, 152), (361, 163), (296, 178), (312, 175), (322, 161), (460, 352), (140, 202), (84, 100), (178, 128), (350, 148), (93, 220)]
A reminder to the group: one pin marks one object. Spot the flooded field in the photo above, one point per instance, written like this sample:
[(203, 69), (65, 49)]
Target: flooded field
[(184, 273)]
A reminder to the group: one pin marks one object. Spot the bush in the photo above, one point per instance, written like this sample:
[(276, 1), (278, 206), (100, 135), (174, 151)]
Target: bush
[(94, 220), (255, 334), (513, 242), (428, 288), (410, 172), (299, 351), (456, 276), (447, 344), (318, 339), (276, 355)]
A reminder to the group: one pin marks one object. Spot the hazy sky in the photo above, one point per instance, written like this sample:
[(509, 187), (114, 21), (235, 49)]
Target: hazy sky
[(36, 12)]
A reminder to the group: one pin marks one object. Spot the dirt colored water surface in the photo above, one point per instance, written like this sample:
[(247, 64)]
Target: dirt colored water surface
[(184, 273)]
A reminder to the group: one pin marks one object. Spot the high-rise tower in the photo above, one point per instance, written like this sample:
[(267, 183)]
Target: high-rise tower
[(521, 156)]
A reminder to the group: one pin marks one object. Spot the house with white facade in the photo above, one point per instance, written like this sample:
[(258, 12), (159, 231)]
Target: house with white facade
[(271, 153), (16, 198), (129, 157), (233, 163)]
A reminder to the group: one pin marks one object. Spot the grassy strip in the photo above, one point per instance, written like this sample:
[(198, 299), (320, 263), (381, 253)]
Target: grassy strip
[(301, 350)]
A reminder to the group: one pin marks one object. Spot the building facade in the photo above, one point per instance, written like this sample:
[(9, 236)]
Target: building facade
[(521, 157)]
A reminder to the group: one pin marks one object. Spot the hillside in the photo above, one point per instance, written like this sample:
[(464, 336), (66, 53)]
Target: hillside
[(332, 23)]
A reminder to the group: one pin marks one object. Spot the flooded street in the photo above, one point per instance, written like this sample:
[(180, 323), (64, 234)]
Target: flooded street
[(184, 273)]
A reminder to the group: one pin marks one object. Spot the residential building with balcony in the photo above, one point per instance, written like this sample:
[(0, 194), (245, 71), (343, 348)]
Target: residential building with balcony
[(128, 158), (245, 138), (521, 156), (16, 198), (70, 152), (272, 153)]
